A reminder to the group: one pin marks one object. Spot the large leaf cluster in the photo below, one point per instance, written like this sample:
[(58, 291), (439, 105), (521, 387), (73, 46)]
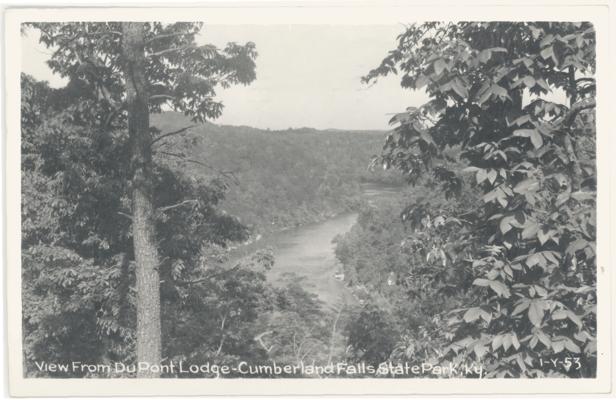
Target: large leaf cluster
[(530, 237)]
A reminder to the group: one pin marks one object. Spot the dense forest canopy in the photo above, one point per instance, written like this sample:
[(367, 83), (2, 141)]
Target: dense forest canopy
[(277, 179)]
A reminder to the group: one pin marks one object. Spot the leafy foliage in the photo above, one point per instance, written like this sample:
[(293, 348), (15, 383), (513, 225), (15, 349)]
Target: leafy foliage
[(529, 241), (76, 238), (372, 335), (76, 150), (181, 74)]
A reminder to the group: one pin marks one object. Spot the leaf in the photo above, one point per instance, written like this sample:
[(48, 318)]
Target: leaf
[(523, 305), (547, 52), (507, 341), (526, 185), (582, 196), (559, 314), (516, 266), (530, 230), (574, 318), (499, 194), (497, 342), (541, 82), (514, 341), (492, 176), (481, 176), (558, 345), (421, 81), (511, 221), (426, 137), (470, 169), (582, 336), (493, 274), (576, 246), (484, 55), (480, 350), (591, 347), (522, 120), (535, 259), (458, 86), (484, 95), (551, 256), (547, 39), (543, 338), (499, 90), (544, 235), (520, 361), (439, 66), (535, 312), (536, 139), (529, 81), (472, 314), (562, 198), (500, 288), (481, 282), (486, 316), (572, 347), (540, 291), (502, 199)]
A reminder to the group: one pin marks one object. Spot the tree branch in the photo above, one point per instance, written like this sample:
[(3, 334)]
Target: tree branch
[(183, 203), (66, 40), (166, 51), (259, 338), (171, 133), (125, 215), (227, 174), (208, 277), (333, 337), (164, 36), (579, 80), (162, 96), (222, 332), (578, 108)]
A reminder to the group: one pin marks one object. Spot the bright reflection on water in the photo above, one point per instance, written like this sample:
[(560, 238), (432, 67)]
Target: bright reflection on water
[(309, 254)]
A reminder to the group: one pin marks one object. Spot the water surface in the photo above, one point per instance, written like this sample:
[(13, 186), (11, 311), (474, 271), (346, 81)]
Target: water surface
[(307, 253)]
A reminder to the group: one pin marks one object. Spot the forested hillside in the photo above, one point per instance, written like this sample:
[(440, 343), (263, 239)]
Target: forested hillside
[(276, 179)]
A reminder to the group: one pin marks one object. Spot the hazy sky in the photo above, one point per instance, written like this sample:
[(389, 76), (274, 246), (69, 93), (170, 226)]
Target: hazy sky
[(307, 75)]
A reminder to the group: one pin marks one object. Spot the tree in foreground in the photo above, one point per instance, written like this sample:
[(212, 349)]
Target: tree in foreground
[(121, 72), (526, 245)]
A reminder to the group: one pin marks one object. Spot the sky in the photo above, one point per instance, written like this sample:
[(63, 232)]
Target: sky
[(307, 76)]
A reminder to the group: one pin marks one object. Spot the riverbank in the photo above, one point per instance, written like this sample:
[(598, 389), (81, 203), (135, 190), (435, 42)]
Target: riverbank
[(307, 253)]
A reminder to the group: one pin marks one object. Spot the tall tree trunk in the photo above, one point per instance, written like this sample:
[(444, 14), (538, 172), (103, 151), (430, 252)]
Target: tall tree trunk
[(146, 256)]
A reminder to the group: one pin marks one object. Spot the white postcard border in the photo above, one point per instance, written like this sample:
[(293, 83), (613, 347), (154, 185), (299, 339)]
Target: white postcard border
[(348, 13)]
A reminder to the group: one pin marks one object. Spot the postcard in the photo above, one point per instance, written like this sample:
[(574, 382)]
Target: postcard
[(310, 198)]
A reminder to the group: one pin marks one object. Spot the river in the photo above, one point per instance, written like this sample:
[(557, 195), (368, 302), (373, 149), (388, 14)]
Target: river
[(307, 253)]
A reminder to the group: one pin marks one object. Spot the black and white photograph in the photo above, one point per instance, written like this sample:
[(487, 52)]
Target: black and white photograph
[(398, 201)]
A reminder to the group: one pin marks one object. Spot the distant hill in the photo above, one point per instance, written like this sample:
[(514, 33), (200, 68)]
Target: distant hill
[(172, 120), (277, 178)]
